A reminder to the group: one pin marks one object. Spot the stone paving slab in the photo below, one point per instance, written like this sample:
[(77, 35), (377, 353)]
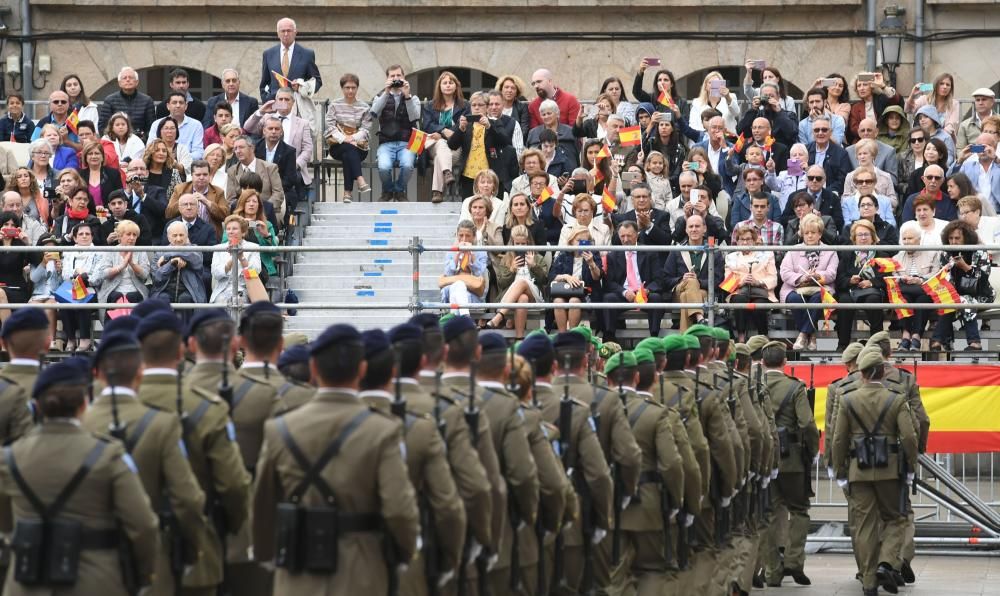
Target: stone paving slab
[(833, 575)]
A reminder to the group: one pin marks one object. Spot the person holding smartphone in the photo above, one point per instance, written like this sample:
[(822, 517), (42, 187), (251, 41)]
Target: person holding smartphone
[(13, 287), (875, 96), (969, 272), (574, 277), (982, 168), (940, 95)]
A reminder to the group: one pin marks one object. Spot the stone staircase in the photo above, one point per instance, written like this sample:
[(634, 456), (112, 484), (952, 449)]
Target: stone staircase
[(371, 277)]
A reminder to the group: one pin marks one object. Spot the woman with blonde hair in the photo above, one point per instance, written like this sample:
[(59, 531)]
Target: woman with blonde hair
[(33, 201), (486, 184), (520, 277), (229, 133), (757, 276), (718, 98), (941, 97), (215, 155), (164, 171), (512, 89), (101, 180), (573, 277), (261, 231), (521, 214), (123, 275), (223, 267)]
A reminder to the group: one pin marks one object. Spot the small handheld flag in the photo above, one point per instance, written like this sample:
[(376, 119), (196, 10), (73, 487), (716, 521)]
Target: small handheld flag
[(597, 174), (941, 291), (282, 80), (664, 99), (545, 196), (768, 143), (827, 298), (740, 142), (642, 296), (608, 201), (79, 288), (604, 152), (895, 296), (417, 140), (731, 282), (630, 136), (72, 120)]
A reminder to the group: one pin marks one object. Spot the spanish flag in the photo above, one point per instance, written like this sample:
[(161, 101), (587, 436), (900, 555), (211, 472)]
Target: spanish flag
[(282, 80), (768, 143), (417, 140), (642, 296), (72, 120), (731, 282), (885, 265), (740, 142), (545, 196), (604, 152), (630, 136), (79, 288), (608, 202), (462, 260), (941, 291), (895, 296), (827, 298), (666, 100), (597, 174)]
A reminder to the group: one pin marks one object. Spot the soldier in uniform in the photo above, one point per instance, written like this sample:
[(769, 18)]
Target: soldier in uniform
[(582, 457), (798, 444), (153, 439), (649, 560), (334, 509), (25, 335), (209, 439), (441, 512), (905, 383), (294, 365), (92, 497), (417, 344), (874, 432), (619, 446)]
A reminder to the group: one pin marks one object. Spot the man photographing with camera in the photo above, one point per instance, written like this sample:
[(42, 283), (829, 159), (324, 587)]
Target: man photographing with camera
[(396, 110), (145, 199)]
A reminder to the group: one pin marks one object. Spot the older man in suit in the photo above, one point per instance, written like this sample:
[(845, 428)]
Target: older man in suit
[(296, 64), (271, 191), (274, 150), (653, 224), (633, 277), (243, 105), (685, 274), (823, 152), (296, 132), (886, 159)]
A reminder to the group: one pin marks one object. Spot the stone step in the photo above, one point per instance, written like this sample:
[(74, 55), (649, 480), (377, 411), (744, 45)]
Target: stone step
[(364, 268), (349, 282), (428, 234), (363, 218), (386, 208), (355, 295)]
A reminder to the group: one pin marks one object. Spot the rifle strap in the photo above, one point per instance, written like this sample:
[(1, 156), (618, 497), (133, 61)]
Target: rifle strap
[(787, 399), (634, 418), (313, 470), (51, 511), (144, 422), (240, 393), (878, 421)]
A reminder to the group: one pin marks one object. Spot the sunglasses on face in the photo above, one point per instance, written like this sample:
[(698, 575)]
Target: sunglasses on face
[(821, 130), (865, 181), (929, 177), (59, 101), (815, 178), (915, 140)]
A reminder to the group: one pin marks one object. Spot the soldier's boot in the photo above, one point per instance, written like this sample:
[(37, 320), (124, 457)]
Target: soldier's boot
[(885, 579)]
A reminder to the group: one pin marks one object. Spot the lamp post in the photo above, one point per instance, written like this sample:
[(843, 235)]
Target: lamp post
[(891, 31)]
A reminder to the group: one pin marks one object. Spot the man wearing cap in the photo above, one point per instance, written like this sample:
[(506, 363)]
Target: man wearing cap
[(367, 479), (969, 129), (25, 335), (613, 432), (798, 444), (209, 439), (580, 450), (904, 383), (644, 522), (461, 338), (874, 419), (153, 439), (428, 469)]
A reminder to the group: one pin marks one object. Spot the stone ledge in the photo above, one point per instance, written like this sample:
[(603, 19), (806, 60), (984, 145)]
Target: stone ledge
[(424, 5)]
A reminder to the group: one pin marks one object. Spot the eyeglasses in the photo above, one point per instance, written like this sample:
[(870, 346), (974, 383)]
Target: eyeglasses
[(915, 140), (867, 206), (59, 101), (815, 178), (821, 130), (41, 153), (865, 181), (930, 177)]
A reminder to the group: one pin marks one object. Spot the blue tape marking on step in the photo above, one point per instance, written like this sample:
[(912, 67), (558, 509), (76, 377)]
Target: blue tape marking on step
[(373, 274), (378, 243), (365, 293), (389, 212), (382, 261), (383, 223)]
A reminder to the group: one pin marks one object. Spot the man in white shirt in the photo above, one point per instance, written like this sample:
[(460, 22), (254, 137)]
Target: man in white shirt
[(243, 105), (190, 132), (30, 227), (983, 171)]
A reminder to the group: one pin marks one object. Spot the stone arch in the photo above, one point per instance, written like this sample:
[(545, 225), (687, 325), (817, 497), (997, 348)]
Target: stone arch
[(155, 82), (471, 79)]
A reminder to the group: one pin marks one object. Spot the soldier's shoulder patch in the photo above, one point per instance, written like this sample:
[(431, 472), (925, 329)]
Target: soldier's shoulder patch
[(231, 431)]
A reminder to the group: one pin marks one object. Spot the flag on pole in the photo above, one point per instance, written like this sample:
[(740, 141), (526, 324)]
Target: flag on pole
[(768, 143), (72, 120), (608, 201), (731, 282), (895, 296), (462, 260), (79, 288), (642, 296), (545, 196), (597, 174), (604, 152), (282, 80), (417, 140), (941, 291), (630, 136), (827, 298), (664, 99), (885, 265), (740, 142)]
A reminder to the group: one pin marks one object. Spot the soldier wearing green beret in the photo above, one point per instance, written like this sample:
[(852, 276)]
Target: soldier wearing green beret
[(798, 444), (874, 434)]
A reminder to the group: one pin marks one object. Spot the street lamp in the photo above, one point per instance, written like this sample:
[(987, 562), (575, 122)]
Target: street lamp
[(891, 31)]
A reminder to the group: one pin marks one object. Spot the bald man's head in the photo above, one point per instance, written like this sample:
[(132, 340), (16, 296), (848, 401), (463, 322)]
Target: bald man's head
[(868, 128), (541, 80), (760, 128)]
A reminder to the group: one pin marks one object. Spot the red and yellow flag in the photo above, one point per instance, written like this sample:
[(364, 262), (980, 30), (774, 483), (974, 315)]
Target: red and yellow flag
[(827, 298), (604, 152), (895, 296), (664, 99), (463, 259), (79, 288), (885, 265), (547, 193), (249, 273), (282, 80), (630, 136), (417, 140), (740, 142), (941, 291), (768, 143), (642, 296), (72, 120), (597, 174), (731, 282), (608, 201)]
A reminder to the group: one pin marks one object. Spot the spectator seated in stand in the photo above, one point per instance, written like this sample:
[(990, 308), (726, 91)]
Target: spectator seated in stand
[(178, 276), (122, 276), (77, 323), (685, 274), (464, 279), (574, 277), (14, 286), (803, 204), (969, 272), (757, 277), (803, 273), (859, 283), (224, 267), (521, 277), (632, 277), (118, 211)]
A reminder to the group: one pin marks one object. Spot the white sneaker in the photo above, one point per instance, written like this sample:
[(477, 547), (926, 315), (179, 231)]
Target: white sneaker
[(800, 342)]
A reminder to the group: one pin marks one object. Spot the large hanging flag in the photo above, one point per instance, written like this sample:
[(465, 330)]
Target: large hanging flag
[(941, 291), (547, 194), (827, 298), (630, 136), (895, 296), (417, 140), (72, 120), (731, 282)]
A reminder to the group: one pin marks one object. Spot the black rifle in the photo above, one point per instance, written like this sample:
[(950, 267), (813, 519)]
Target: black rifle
[(225, 389), (216, 510), (512, 512), (539, 522), (811, 392), (472, 421), (565, 426), (619, 488)]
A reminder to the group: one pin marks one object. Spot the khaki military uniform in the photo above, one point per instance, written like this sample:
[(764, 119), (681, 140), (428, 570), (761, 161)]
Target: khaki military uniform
[(111, 495), (153, 439), (291, 394), (746, 536), (669, 395), (584, 459), (23, 375), (16, 410), (441, 507), (770, 460), (367, 476), (903, 382), (874, 493), (834, 391), (216, 462), (790, 492)]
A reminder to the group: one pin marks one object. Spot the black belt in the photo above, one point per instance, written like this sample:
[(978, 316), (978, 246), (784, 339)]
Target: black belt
[(894, 448), (359, 522), (99, 539), (793, 437), (650, 476)]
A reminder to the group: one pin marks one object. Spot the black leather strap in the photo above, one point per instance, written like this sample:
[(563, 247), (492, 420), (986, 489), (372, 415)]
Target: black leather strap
[(313, 470), (241, 392), (192, 420), (650, 476), (51, 511), (140, 428), (634, 418)]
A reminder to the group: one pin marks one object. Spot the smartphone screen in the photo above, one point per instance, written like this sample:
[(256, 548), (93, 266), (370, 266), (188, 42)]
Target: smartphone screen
[(866, 77), (926, 87), (759, 64), (585, 243), (652, 61), (830, 82), (794, 167), (977, 148)]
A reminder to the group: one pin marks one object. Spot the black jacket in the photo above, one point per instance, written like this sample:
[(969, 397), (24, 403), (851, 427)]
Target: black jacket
[(828, 203), (497, 139), (138, 106), (886, 232), (715, 227), (152, 208), (248, 105), (675, 267), (111, 180), (284, 158), (659, 234), (837, 166), (63, 226), (784, 126), (145, 234), (649, 271)]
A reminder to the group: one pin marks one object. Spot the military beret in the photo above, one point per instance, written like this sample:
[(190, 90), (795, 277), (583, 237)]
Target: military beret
[(741, 349), (775, 344), (25, 319), (691, 342), (297, 354), (570, 340), (72, 371), (259, 308), (121, 341), (699, 330), (375, 342), (653, 344), (150, 305), (870, 357), (426, 321), (406, 332), (126, 323), (535, 346), (456, 326), (202, 317), (851, 352), (720, 334), (296, 339), (877, 338), (492, 342), (644, 354), (609, 349), (160, 320), (335, 334), (626, 359), (674, 343), (757, 342), (584, 331)]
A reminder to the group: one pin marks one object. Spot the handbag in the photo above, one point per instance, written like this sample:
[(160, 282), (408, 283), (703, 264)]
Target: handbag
[(64, 293), (753, 293), (968, 285), (858, 294), (562, 289), (347, 131), (120, 312)]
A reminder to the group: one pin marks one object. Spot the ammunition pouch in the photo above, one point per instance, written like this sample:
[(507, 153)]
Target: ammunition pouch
[(786, 439), (872, 450)]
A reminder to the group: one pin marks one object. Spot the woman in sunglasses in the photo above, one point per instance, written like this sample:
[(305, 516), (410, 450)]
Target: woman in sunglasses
[(911, 159), (866, 151), (885, 232)]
